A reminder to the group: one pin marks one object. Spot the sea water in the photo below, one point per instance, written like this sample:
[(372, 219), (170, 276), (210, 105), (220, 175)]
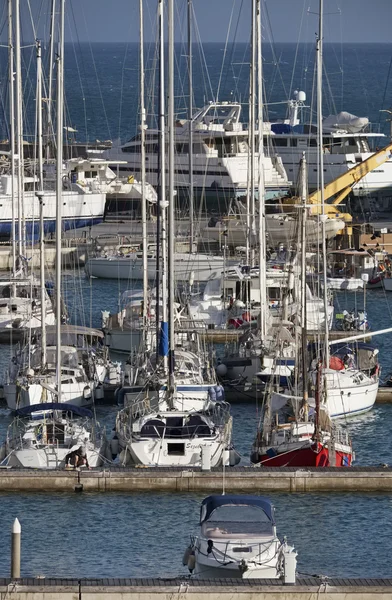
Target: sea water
[(145, 534)]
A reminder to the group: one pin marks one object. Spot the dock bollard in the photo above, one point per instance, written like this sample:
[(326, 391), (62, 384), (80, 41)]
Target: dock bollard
[(289, 567), (15, 549), (206, 458)]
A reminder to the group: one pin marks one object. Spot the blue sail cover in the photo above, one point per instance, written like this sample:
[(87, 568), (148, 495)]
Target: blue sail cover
[(164, 339), (63, 406), (212, 502)]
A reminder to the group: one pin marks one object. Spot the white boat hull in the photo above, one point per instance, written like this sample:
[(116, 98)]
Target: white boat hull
[(48, 457), (201, 267), (349, 401)]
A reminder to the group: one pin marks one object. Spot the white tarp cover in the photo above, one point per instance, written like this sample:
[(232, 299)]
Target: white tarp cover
[(345, 121)]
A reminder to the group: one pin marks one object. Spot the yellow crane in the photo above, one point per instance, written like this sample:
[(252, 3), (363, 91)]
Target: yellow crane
[(340, 187)]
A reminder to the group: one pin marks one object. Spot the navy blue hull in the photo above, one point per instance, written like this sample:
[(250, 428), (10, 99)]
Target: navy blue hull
[(33, 229)]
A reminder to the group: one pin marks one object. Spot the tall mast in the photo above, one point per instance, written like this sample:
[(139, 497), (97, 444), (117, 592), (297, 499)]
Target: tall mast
[(164, 339), (40, 195), (261, 183), (50, 86), (321, 178), (12, 130), (143, 159), (304, 352), (252, 119), (59, 189), (190, 132), (170, 118), (19, 131)]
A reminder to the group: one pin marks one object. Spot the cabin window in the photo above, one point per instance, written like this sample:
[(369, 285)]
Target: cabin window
[(293, 142), (175, 449), (229, 292), (182, 148), (280, 141), (132, 149)]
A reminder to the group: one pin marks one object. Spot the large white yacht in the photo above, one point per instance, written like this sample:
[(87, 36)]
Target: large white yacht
[(82, 206), (220, 156), (347, 141)]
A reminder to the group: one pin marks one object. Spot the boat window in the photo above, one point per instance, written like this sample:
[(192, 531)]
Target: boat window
[(175, 449), (229, 293), (182, 148), (153, 428), (280, 141), (237, 519), (55, 433), (132, 149), (293, 142)]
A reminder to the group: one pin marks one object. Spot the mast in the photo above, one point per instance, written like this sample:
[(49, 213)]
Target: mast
[(170, 117), (12, 130), (260, 183), (252, 118), (59, 189), (40, 195), (163, 333), (50, 86), (143, 167), (19, 131), (190, 132), (304, 341), (321, 178)]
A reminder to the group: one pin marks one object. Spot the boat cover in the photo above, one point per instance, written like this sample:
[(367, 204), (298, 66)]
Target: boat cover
[(345, 121), (210, 503), (63, 406)]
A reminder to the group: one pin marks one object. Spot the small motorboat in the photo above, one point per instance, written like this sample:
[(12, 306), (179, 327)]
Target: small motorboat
[(238, 539)]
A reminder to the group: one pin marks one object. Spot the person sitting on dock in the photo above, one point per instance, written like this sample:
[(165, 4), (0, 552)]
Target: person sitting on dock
[(77, 458)]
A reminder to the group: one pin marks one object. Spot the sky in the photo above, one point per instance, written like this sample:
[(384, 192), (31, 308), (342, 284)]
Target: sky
[(216, 20)]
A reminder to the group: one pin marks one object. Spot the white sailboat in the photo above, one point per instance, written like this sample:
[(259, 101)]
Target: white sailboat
[(175, 421), (42, 436)]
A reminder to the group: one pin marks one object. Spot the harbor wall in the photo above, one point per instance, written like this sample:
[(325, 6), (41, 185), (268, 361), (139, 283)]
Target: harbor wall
[(311, 588), (235, 479)]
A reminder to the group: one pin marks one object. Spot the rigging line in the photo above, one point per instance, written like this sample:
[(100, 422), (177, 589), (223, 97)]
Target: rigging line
[(122, 90), (96, 74), (233, 45), (274, 57), (224, 52), (78, 69), (297, 49), (205, 72)]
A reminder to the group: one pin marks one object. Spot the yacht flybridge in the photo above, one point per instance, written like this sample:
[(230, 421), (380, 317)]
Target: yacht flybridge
[(220, 155)]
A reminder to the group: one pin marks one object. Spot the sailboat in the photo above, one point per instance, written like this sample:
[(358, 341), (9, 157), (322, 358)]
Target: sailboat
[(173, 421), (301, 433), (54, 367), (42, 436)]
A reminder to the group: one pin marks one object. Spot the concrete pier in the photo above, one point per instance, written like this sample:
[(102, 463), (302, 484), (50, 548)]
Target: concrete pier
[(306, 588), (237, 479)]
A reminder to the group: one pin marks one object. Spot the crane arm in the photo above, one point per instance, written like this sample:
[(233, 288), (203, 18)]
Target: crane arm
[(343, 184)]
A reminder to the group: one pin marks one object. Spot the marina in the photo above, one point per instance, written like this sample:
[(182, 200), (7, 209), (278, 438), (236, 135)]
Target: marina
[(195, 307)]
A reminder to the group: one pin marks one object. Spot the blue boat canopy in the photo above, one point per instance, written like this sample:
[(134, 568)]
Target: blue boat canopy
[(210, 503), (63, 406)]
